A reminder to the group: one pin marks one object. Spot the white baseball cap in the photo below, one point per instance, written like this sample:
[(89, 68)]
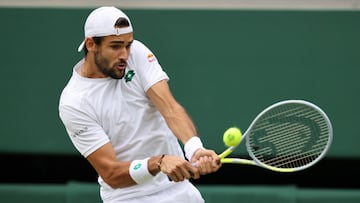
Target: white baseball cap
[(101, 22)]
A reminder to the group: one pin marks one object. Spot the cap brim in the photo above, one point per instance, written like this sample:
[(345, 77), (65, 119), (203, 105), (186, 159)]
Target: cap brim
[(81, 46)]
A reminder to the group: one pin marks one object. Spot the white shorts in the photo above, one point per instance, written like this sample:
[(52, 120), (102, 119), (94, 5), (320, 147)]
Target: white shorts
[(179, 193)]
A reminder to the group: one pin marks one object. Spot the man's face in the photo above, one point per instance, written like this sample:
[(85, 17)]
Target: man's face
[(112, 54)]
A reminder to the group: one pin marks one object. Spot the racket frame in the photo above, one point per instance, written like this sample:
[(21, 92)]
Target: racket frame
[(257, 162)]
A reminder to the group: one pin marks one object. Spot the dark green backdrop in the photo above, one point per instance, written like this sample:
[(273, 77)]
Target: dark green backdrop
[(225, 67)]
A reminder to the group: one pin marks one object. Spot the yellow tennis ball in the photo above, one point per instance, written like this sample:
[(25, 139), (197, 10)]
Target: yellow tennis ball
[(232, 136)]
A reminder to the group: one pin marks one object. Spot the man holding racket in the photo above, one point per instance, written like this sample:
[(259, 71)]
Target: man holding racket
[(121, 116)]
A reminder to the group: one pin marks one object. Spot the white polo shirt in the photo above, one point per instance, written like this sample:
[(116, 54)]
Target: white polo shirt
[(101, 110)]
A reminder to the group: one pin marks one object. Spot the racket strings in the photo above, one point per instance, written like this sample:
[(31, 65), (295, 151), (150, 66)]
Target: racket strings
[(290, 161), (289, 136)]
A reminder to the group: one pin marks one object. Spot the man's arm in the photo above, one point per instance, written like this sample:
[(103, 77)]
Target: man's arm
[(114, 172), (175, 115), (117, 173), (181, 125)]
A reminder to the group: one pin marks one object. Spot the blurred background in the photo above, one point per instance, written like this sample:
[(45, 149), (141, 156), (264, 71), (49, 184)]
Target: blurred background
[(227, 61)]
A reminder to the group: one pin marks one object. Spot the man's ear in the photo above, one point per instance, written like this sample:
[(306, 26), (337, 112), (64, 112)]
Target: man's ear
[(90, 44)]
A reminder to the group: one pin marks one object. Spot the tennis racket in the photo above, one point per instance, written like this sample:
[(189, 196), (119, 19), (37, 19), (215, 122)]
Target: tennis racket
[(288, 136)]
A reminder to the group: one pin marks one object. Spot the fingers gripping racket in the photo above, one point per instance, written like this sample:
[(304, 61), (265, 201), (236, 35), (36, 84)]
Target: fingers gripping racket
[(288, 136)]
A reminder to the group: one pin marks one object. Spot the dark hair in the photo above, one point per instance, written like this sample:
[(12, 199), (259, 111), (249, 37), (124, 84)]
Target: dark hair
[(120, 23), (97, 41)]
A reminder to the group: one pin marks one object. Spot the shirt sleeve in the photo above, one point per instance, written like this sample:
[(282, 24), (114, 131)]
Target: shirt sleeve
[(147, 65), (86, 134)]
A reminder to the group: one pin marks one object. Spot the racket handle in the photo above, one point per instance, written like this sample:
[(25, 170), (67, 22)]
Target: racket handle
[(237, 161), (191, 174)]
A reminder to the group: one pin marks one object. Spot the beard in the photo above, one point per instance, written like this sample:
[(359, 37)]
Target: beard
[(107, 69)]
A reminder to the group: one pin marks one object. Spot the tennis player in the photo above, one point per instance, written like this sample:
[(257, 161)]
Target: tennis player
[(120, 114)]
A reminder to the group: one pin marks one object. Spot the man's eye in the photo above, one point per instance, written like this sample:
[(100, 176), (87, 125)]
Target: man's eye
[(115, 46)]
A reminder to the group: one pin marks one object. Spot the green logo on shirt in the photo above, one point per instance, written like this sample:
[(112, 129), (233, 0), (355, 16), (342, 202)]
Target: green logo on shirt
[(129, 75), (137, 166)]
